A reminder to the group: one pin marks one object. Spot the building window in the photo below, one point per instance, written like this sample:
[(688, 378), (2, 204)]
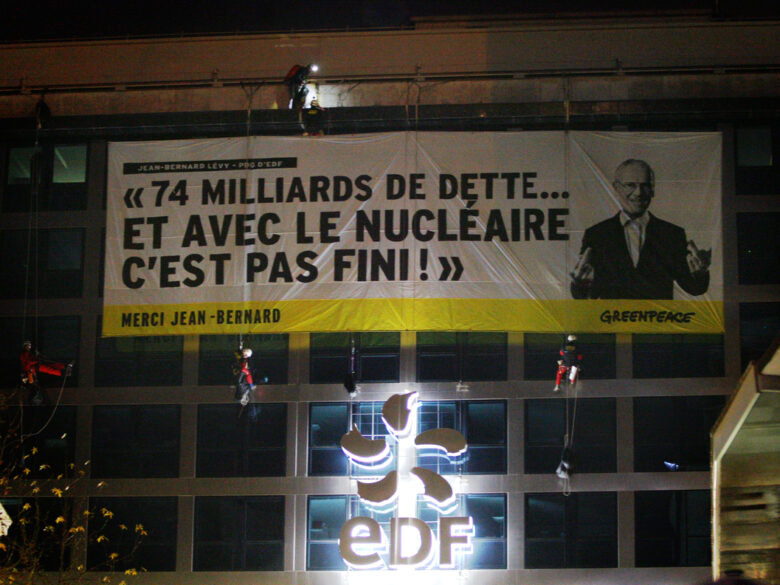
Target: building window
[(574, 531), (138, 361), (482, 423), (135, 441), (674, 430), (157, 549), (241, 442), (758, 247), (329, 422), (758, 160), (56, 338), (488, 512), (239, 533), (61, 170), (269, 358), (673, 528), (677, 355), (446, 356), (327, 514), (594, 448), (542, 354), (377, 356), (42, 264), (758, 326)]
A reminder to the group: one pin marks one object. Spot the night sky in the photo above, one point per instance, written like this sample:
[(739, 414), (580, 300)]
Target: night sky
[(49, 19)]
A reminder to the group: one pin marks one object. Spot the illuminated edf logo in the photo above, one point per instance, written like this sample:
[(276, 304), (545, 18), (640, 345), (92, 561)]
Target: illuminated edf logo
[(362, 542)]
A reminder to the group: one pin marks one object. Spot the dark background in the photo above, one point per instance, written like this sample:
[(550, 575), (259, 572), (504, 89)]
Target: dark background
[(50, 20)]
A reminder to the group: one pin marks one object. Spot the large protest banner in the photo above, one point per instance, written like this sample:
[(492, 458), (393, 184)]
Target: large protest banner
[(415, 231)]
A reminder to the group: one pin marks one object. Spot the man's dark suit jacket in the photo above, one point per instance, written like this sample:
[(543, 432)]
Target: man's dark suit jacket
[(662, 261)]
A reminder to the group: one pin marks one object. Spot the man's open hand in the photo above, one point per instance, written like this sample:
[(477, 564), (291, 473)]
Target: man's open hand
[(698, 260), (583, 272)]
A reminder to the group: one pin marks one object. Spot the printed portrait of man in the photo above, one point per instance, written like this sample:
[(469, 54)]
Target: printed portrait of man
[(634, 254)]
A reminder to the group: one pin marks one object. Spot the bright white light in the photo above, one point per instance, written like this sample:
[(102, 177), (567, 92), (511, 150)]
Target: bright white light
[(410, 542), (315, 68), (5, 521)]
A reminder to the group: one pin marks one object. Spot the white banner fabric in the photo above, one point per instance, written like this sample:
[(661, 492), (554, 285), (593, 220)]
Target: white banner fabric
[(526, 231)]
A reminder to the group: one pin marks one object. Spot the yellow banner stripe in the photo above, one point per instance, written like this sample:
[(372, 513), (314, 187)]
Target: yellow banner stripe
[(596, 316)]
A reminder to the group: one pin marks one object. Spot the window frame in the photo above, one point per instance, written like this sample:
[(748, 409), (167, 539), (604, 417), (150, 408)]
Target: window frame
[(137, 365), (669, 434), (270, 358), (329, 357), (52, 195), (542, 351), (599, 449), (240, 443), (567, 535), (237, 539), (654, 528), (46, 280), (137, 455), (462, 357), (160, 523)]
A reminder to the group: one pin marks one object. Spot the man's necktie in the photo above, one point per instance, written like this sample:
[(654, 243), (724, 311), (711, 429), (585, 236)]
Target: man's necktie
[(634, 237)]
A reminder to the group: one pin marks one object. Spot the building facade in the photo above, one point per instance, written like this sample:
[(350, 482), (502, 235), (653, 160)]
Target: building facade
[(241, 495)]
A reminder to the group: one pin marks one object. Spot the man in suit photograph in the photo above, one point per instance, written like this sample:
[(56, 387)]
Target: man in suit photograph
[(634, 254)]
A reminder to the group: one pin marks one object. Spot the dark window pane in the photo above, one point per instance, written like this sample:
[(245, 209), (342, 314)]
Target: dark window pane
[(157, 549), (461, 356), (754, 146), (542, 354), (241, 442), (579, 530), (675, 430), (239, 533), (138, 361), (135, 441), (758, 160), (758, 247), (377, 356), (595, 436), (483, 355), (269, 358), (43, 264), (671, 527), (759, 323), (595, 445), (545, 427), (677, 355), (485, 432), (328, 357)]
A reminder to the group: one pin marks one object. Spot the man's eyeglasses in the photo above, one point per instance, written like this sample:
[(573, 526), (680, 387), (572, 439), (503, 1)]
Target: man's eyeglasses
[(630, 187)]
